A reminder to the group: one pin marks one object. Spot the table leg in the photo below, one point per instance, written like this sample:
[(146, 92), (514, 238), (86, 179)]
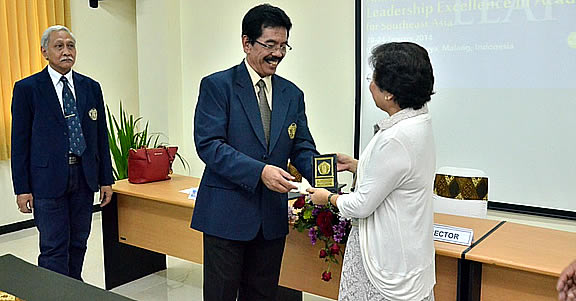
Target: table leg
[(124, 263), (288, 294), (469, 280)]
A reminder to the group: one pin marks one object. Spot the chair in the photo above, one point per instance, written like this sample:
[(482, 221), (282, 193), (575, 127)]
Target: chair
[(461, 191)]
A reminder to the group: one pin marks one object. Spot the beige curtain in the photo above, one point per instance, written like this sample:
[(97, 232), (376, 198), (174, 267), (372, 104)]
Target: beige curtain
[(22, 23)]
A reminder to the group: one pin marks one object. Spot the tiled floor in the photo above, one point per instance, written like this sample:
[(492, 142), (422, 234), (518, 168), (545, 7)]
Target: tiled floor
[(183, 280)]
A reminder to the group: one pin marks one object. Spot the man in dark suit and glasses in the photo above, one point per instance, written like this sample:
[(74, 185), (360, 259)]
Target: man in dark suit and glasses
[(60, 153), (248, 123)]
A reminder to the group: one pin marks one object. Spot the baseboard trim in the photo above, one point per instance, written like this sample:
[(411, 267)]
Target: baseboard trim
[(5, 229), (17, 226), (539, 211)]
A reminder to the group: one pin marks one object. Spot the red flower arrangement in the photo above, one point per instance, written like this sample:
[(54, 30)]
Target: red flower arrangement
[(323, 222)]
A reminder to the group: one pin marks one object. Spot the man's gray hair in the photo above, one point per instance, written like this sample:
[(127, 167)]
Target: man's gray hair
[(46, 35)]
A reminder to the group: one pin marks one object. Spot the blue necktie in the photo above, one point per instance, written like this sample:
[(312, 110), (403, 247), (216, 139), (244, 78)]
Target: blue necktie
[(75, 136)]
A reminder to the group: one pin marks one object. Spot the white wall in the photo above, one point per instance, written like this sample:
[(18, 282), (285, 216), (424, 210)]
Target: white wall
[(107, 53), (9, 212), (107, 49), (152, 54), (159, 65)]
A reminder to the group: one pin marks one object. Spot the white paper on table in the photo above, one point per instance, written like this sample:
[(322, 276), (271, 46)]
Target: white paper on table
[(301, 187), (191, 192)]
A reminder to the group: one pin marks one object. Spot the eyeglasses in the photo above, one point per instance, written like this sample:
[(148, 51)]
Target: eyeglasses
[(272, 48)]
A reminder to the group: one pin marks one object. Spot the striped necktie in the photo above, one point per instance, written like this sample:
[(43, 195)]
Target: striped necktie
[(77, 144), (265, 111)]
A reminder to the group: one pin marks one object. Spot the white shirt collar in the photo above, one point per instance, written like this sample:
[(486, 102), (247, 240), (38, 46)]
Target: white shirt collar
[(406, 113), (55, 76), (255, 78)]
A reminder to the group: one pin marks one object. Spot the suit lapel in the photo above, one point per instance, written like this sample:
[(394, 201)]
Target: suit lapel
[(80, 90), (280, 105), (249, 101), (49, 97)]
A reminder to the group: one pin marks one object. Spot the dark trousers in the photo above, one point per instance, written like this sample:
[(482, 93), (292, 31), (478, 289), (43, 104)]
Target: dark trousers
[(248, 270), (64, 226)]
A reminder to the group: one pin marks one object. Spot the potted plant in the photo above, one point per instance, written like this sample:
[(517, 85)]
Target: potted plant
[(124, 135)]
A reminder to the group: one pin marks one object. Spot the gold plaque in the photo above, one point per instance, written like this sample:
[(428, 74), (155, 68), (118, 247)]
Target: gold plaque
[(325, 173), (292, 130)]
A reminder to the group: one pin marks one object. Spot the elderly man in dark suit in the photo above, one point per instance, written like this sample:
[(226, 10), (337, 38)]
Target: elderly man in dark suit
[(60, 154), (248, 123)]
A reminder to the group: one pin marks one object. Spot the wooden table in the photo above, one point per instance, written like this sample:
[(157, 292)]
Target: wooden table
[(522, 262), (154, 219), (146, 222), (451, 269), (156, 216)]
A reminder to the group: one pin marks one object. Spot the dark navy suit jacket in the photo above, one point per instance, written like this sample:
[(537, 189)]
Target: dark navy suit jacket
[(232, 201), (40, 136)]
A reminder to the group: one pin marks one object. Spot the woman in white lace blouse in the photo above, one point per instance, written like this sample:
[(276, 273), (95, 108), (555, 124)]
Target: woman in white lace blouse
[(390, 251)]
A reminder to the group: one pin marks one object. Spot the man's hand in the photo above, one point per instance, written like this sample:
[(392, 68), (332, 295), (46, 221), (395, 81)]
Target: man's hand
[(25, 202), (346, 162), (566, 285), (105, 195), (276, 179)]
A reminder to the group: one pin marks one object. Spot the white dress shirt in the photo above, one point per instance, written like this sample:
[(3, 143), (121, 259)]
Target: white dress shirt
[(393, 204), (59, 85), (267, 80)]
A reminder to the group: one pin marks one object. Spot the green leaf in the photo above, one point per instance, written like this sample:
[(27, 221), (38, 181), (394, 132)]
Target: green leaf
[(301, 227), (123, 135), (307, 213)]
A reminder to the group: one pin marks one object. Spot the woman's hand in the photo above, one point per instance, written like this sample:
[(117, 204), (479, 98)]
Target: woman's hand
[(346, 162), (319, 196)]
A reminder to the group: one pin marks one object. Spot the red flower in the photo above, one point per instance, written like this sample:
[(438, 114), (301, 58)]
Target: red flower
[(335, 249), (324, 222), (326, 276), (300, 202)]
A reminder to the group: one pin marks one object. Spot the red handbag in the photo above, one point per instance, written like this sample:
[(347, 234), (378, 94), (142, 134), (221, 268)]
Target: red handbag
[(150, 164)]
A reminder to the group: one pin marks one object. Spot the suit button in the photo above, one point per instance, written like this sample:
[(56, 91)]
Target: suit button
[(265, 157)]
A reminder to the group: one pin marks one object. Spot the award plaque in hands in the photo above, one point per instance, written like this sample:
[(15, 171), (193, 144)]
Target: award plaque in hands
[(325, 174)]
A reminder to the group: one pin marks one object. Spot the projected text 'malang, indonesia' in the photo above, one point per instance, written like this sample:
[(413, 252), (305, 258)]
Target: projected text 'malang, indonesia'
[(445, 13)]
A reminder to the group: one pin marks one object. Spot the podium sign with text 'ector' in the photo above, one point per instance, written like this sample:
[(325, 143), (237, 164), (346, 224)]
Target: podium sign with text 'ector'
[(454, 235)]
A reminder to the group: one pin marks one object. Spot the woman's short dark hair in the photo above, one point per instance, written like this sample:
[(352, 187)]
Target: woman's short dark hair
[(261, 16), (404, 70)]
